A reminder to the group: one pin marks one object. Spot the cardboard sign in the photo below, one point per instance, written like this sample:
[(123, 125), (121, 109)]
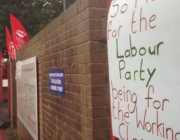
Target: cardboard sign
[(56, 81), (18, 70), (27, 97), (144, 71)]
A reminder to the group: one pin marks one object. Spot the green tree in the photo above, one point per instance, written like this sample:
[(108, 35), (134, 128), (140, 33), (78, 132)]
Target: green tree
[(33, 14)]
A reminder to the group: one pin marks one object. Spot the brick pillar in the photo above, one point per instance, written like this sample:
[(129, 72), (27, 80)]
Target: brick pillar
[(99, 87), (73, 42)]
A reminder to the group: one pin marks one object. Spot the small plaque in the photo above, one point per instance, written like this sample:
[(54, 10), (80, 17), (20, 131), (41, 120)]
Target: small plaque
[(56, 81)]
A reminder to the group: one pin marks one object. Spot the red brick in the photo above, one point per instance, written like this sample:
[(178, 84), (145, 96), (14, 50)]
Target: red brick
[(99, 79), (96, 13), (99, 3), (95, 24), (100, 112), (98, 58), (101, 123), (102, 134)]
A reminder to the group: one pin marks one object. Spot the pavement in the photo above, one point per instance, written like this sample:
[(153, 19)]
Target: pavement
[(3, 111), (3, 115)]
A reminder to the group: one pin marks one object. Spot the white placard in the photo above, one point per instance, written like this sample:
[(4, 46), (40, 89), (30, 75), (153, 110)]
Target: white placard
[(5, 82), (144, 71), (18, 70), (27, 97)]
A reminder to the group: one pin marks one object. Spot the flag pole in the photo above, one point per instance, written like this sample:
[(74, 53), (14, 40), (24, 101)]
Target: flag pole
[(64, 5)]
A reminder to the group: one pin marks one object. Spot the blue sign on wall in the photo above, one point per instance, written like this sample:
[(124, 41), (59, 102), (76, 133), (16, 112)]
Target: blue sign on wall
[(56, 81)]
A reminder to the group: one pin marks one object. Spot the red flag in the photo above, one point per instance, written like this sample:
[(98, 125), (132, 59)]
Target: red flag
[(20, 36), (10, 45), (2, 60)]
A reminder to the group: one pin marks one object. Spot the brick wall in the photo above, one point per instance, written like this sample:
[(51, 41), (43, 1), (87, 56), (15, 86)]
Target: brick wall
[(73, 42)]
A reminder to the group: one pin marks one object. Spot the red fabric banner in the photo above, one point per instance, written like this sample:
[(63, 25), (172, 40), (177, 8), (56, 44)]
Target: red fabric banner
[(20, 36), (10, 45), (2, 60)]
